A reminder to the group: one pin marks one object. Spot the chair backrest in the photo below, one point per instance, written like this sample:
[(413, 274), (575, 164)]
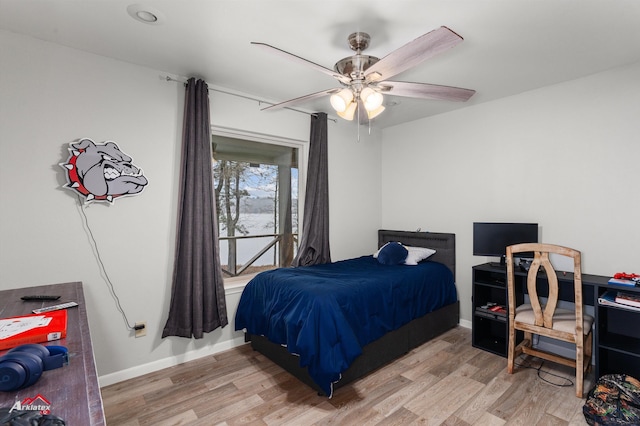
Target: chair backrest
[(543, 317)]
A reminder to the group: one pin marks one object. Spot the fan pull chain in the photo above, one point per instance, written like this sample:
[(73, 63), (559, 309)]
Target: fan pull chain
[(358, 112)]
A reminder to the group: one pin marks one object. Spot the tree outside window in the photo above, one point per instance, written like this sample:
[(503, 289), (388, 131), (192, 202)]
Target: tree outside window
[(256, 187)]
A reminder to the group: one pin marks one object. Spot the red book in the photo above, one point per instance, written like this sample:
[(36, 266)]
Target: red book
[(33, 328), (630, 299), (499, 309)]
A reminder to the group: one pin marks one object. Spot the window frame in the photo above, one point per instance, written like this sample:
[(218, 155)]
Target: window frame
[(303, 154)]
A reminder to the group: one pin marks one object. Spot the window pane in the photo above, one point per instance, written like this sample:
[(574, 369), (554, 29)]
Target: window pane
[(256, 188)]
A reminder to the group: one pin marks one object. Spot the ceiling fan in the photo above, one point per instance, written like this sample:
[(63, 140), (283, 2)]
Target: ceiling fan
[(364, 78)]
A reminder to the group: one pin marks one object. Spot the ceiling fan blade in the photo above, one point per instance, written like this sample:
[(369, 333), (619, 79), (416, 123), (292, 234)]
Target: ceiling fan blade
[(302, 99), (291, 56), (425, 91), (412, 53)]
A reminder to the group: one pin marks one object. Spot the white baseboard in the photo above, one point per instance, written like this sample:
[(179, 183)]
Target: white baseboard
[(232, 287), (140, 370)]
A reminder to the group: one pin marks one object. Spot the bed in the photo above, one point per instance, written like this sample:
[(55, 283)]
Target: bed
[(317, 324)]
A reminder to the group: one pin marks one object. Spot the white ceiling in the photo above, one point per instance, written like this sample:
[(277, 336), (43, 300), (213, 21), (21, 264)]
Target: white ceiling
[(510, 46)]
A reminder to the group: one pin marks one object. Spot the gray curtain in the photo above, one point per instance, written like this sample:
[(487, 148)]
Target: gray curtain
[(197, 296), (314, 243)]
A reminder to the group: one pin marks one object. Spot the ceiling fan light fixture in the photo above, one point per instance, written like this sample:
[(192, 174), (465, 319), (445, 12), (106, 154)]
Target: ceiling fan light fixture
[(349, 112), (372, 99), (366, 79), (340, 101), (374, 113)]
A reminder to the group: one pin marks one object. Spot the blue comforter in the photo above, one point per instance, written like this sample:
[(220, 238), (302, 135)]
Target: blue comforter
[(327, 313)]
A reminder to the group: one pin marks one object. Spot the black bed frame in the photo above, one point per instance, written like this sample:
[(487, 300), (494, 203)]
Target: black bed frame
[(395, 343)]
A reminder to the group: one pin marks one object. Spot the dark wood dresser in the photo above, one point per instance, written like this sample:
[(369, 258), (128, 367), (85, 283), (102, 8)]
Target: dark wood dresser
[(72, 391)]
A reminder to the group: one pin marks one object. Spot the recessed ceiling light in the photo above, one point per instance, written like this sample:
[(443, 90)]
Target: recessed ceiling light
[(146, 14)]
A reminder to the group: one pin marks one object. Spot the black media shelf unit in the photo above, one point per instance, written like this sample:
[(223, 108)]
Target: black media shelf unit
[(616, 335), (490, 331)]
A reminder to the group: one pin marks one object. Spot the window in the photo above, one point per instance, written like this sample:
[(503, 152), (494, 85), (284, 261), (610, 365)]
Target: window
[(256, 191)]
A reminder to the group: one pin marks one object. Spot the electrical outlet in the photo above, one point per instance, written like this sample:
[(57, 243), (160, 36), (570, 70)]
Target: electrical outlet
[(140, 332)]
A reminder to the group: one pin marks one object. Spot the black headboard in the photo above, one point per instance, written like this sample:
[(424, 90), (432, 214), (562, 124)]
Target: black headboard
[(443, 243)]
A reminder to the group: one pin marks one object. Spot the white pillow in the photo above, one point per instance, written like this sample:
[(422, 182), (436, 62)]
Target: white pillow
[(416, 254)]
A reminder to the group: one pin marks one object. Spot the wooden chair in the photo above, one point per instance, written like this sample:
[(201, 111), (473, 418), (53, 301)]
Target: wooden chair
[(544, 319)]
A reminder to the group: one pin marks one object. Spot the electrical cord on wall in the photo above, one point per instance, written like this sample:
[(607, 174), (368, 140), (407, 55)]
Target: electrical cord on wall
[(102, 267)]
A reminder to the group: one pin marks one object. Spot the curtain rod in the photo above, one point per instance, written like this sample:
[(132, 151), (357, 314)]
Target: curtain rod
[(260, 101)]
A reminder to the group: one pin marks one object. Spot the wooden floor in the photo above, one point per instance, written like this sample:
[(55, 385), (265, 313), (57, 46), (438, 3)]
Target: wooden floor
[(446, 381)]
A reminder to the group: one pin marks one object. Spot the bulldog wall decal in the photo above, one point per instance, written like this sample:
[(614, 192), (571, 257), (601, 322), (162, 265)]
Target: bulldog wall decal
[(102, 172)]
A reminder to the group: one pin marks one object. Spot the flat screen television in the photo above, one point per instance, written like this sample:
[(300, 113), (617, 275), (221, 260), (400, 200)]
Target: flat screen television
[(492, 238)]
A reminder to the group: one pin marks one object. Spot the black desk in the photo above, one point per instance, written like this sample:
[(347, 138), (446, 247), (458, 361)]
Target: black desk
[(72, 390), (616, 334)]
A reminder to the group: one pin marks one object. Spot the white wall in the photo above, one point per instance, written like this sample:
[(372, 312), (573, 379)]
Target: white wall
[(51, 96), (564, 156)]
